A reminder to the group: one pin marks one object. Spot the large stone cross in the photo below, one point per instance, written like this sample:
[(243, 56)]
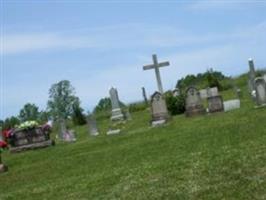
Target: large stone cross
[(156, 66)]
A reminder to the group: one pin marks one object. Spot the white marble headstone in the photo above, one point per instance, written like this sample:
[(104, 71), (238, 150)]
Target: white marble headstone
[(231, 105)]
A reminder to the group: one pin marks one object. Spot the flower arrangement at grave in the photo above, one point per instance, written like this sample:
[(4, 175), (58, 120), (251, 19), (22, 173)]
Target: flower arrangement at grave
[(28, 125)]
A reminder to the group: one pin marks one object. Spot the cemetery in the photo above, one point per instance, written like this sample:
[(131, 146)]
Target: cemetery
[(126, 154)]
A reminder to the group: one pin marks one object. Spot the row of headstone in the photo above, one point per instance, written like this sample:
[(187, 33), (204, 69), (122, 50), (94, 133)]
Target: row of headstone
[(257, 85), (194, 105)]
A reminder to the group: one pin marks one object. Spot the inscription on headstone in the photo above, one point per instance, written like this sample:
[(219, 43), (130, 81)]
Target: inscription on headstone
[(158, 109), (194, 104), (215, 104)]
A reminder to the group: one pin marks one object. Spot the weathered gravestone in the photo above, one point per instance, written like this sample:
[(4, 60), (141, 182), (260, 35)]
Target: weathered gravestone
[(264, 77), (29, 138), (215, 104), (260, 88), (215, 101), (251, 75), (231, 105), (92, 126), (116, 110), (159, 110), (194, 104), (208, 92)]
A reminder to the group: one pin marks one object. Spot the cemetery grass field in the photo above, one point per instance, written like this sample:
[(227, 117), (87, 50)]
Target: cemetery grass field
[(219, 156)]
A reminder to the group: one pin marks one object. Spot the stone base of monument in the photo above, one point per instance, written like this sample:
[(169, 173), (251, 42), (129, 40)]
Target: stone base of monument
[(31, 146), (195, 111), (215, 104), (3, 168), (113, 132), (117, 115), (158, 123)]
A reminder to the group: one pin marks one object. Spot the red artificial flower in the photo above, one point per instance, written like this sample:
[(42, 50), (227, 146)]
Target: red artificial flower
[(3, 144), (6, 133)]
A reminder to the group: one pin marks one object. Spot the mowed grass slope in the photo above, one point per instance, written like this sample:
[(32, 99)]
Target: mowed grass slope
[(219, 156)]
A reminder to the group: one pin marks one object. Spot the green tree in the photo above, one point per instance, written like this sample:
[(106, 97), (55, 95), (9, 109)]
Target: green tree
[(78, 117), (103, 105), (213, 80), (208, 79), (44, 116), (29, 112), (61, 102), (10, 122)]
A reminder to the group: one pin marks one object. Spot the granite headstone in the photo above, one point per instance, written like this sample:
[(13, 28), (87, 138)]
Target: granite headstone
[(260, 88), (116, 110), (194, 105), (159, 109)]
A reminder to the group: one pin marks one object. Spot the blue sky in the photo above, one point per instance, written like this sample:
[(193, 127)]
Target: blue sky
[(99, 44)]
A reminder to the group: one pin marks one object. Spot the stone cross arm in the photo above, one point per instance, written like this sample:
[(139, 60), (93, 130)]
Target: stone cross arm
[(152, 66)]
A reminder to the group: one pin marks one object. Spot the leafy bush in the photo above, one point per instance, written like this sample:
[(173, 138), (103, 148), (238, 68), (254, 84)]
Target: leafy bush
[(139, 106), (175, 105), (202, 80), (102, 115)]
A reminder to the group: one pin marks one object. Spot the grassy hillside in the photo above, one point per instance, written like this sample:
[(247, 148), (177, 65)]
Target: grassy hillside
[(219, 156)]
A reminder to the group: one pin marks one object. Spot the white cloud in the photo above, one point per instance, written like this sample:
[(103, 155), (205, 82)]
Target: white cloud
[(116, 37), (227, 52)]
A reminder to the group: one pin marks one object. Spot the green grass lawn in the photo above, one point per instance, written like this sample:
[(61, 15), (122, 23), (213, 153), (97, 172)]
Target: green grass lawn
[(219, 156)]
